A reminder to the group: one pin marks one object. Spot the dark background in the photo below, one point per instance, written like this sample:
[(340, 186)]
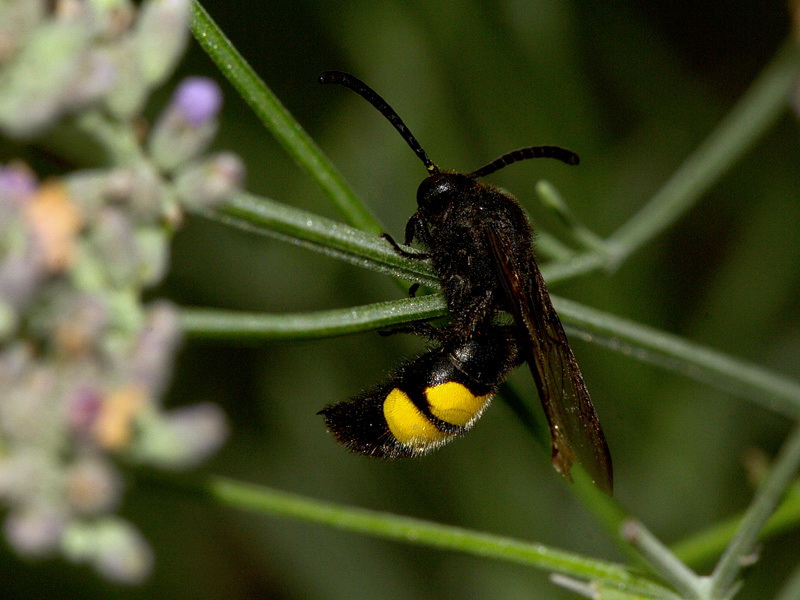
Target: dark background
[(633, 88)]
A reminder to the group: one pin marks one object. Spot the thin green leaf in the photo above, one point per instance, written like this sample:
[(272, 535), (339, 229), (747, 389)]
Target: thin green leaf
[(775, 392), (769, 494), (647, 344), (263, 216), (751, 117), (791, 589), (708, 544), (279, 121), (663, 560), (267, 501), (210, 323)]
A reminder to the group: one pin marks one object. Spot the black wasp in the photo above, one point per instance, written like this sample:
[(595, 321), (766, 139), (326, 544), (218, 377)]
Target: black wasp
[(480, 243)]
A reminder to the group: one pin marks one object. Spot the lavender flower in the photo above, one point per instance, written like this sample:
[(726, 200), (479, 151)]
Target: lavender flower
[(81, 382), (161, 37), (187, 126), (35, 531), (207, 183), (17, 186), (114, 547), (93, 486), (198, 100)]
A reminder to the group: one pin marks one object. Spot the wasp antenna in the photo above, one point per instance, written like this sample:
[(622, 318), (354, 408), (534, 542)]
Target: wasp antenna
[(562, 154), (362, 89)]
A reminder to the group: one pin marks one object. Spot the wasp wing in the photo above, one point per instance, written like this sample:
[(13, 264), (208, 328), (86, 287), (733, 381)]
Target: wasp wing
[(575, 431)]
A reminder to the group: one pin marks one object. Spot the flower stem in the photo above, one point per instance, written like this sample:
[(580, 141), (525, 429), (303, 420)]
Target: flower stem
[(279, 121), (769, 494)]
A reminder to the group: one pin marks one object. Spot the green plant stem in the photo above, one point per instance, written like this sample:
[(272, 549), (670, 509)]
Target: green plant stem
[(791, 589), (580, 233), (334, 239), (753, 115), (215, 324), (662, 559), (267, 217), (632, 339), (768, 496), (647, 344), (773, 391), (117, 139), (707, 545), (279, 121), (267, 501)]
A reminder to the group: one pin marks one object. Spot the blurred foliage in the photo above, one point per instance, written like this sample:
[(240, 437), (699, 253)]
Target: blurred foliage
[(633, 88)]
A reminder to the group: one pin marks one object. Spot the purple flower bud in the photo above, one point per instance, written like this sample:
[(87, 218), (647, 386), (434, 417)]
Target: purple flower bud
[(83, 408), (185, 129), (17, 184), (35, 531), (198, 100)]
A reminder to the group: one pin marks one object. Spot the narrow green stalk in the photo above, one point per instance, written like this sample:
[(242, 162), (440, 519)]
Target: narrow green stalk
[(775, 392), (279, 121), (662, 559), (264, 500), (767, 498), (595, 590), (791, 589), (550, 247), (575, 266), (753, 115), (606, 510), (334, 239), (647, 344), (644, 343), (213, 324), (552, 199), (707, 545), (117, 139)]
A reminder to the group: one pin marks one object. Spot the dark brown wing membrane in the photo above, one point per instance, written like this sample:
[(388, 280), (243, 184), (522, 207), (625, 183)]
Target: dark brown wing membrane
[(574, 426)]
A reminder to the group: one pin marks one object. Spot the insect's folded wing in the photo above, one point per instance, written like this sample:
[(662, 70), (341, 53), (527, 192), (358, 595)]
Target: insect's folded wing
[(575, 429)]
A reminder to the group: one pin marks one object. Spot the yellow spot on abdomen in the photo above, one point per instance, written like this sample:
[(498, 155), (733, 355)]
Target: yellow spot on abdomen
[(407, 423), (453, 403)]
